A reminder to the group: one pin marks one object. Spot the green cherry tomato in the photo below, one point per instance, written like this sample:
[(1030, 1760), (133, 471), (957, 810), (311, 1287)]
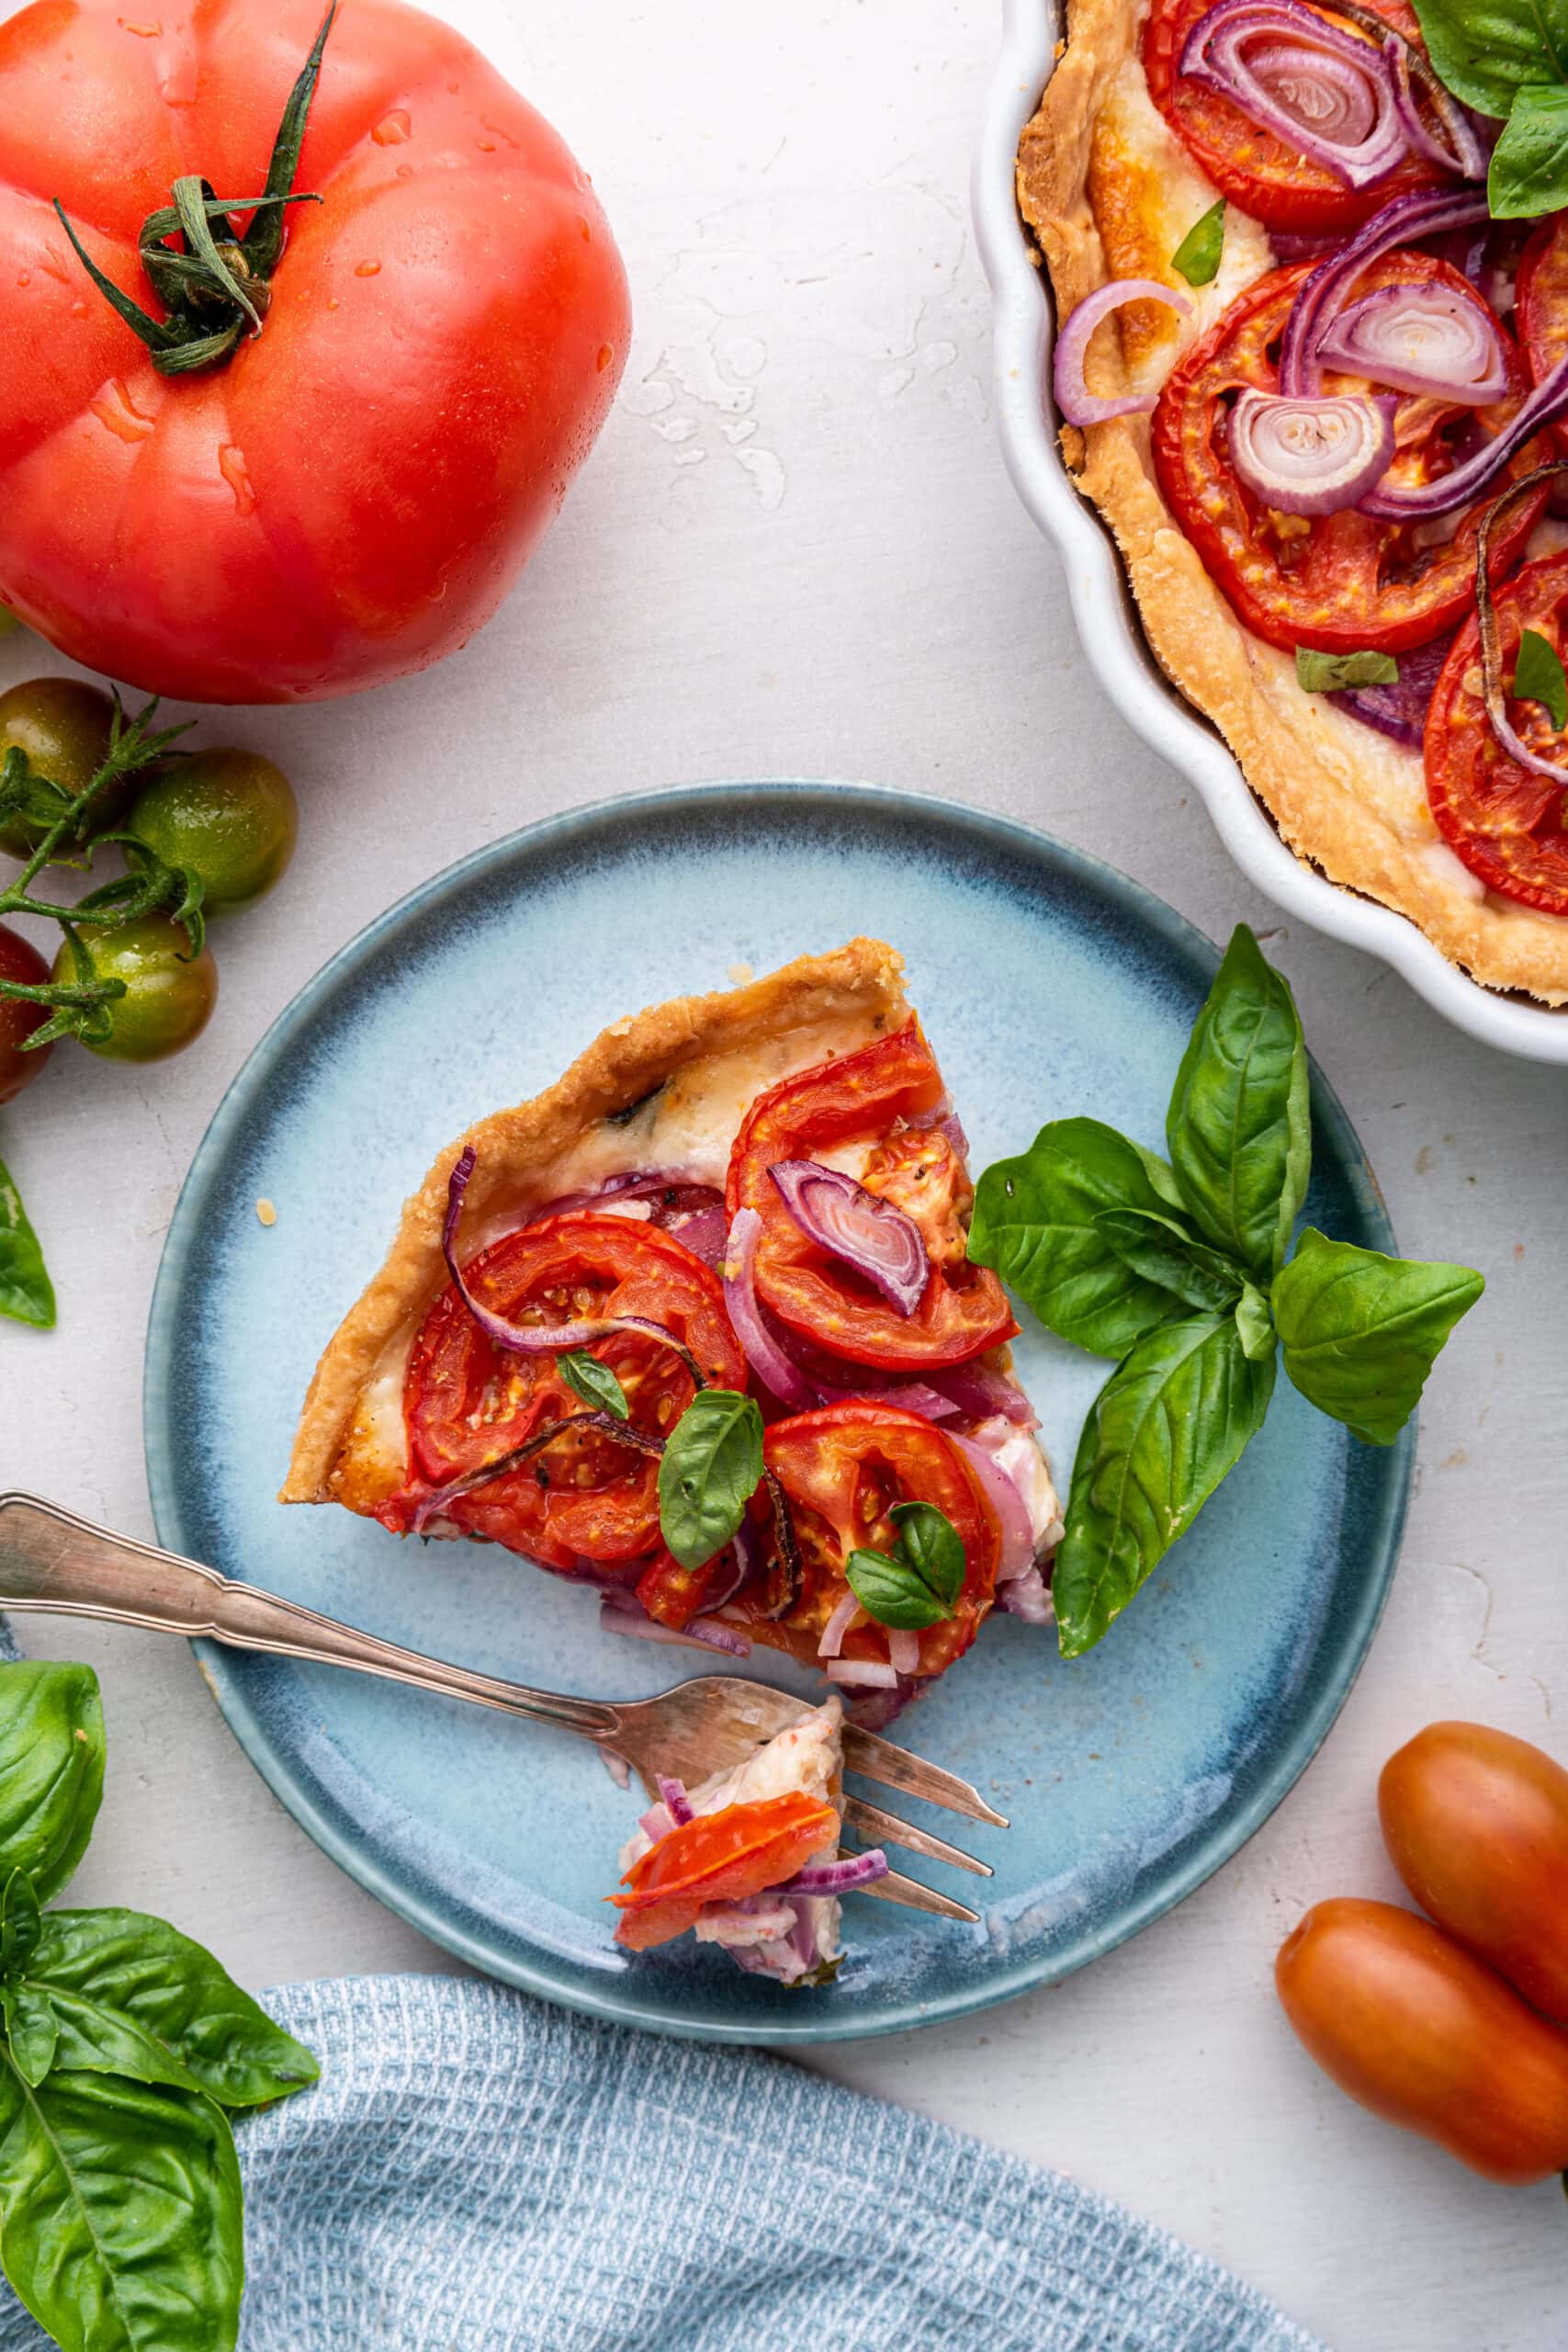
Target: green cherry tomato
[(20, 960), (229, 817), (169, 993), (63, 727)]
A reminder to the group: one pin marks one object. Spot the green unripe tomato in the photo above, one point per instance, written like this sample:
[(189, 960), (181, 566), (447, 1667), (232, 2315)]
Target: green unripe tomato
[(63, 727), (229, 817), (169, 993)]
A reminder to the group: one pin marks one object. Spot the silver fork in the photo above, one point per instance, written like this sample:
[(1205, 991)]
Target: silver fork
[(52, 1560)]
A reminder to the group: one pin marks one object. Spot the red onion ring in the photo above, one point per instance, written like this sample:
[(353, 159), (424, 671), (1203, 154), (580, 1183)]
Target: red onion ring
[(1539, 408), (701, 1633), (776, 1371), (1028, 1597), (1073, 397), (539, 1339), (1466, 155), (838, 1878), (1012, 1512), (903, 1650), (871, 1236), (1315, 456), (838, 1625), (1320, 296), (1324, 91), (673, 1797), (867, 1673), (1398, 711), (1423, 339), (980, 1392)]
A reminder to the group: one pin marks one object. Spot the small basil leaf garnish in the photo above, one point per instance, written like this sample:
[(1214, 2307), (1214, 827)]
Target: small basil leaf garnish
[(1361, 1332), (593, 1382), (1537, 671), (1036, 1222), (26, 1295), (1197, 258), (711, 1468), (1327, 673), (1239, 1127), (1164, 1430), (917, 1584)]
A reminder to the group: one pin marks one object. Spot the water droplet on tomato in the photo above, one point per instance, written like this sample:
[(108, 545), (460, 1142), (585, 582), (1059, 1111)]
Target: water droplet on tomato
[(120, 414), (405, 171), (367, 269), (485, 146), (587, 232), (24, 278), (332, 303), (393, 129), (143, 32), (231, 465), (605, 356)]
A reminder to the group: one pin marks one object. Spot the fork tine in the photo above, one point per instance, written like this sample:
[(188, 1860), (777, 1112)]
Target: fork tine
[(879, 1759), (896, 1888), (879, 1828)]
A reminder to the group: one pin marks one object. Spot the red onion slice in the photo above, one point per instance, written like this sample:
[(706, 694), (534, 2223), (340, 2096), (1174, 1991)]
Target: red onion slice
[(776, 1370), (1324, 91), (1398, 711), (1073, 397), (844, 1614), (1422, 339), (704, 1233), (1018, 1533), (838, 1878), (864, 1673), (539, 1339), (701, 1633), (1311, 457), (903, 1650), (867, 1234), (1541, 407), (676, 1802), (1028, 1597), (980, 1392), (1466, 155), (656, 1823), (1321, 295)]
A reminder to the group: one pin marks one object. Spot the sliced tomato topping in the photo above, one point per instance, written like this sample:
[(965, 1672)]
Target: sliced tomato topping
[(1258, 171), (1506, 822), (842, 1469), (1341, 582), (1540, 305), (466, 1402), (719, 1858), (887, 1089)]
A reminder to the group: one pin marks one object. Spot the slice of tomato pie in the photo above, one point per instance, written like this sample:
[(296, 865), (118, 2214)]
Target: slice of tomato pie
[(761, 1192)]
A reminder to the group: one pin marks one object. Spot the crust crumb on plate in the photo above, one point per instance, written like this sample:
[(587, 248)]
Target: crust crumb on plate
[(1110, 192)]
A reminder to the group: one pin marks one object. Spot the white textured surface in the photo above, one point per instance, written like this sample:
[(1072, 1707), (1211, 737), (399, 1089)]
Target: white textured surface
[(795, 551)]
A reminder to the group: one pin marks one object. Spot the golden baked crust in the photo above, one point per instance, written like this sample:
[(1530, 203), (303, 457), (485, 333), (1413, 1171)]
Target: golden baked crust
[(1094, 167), (522, 1153)]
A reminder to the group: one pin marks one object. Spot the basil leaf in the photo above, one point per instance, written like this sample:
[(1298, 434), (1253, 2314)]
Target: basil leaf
[(51, 1769), (1327, 673), (1164, 1252), (1197, 258), (1239, 1124), (1537, 672), (1255, 1322), (1036, 1222), (1529, 172), (712, 1467), (31, 2034), (594, 1382), (1487, 50), (1362, 1331), (131, 1996), (1164, 1430), (26, 1295), (920, 1584), (20, 1924), (122, 2210)]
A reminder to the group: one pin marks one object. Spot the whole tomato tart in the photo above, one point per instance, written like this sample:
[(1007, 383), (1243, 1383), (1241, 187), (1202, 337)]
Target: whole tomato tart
[(697, 1327), (1312, 360)]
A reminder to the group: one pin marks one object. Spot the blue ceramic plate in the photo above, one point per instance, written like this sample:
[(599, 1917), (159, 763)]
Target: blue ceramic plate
[(1049, 985)]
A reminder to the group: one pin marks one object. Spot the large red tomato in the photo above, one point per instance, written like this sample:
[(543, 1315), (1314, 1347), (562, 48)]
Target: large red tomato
[(349, 494)]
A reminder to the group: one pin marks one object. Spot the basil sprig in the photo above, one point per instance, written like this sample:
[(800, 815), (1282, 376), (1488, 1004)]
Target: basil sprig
[(124, 2044), (1179, 1270), (1509, 59), (1197, 258), (1331, 674), (917, 1583), (711, 1468)]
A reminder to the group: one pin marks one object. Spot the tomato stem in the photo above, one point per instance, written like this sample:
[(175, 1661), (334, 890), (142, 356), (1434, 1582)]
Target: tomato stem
[(214, 287)]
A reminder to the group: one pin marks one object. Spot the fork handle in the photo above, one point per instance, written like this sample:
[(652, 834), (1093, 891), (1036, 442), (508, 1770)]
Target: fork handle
[(52, 1560)]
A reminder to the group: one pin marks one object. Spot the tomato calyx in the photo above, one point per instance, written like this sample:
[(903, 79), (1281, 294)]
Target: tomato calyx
[(216, 287)]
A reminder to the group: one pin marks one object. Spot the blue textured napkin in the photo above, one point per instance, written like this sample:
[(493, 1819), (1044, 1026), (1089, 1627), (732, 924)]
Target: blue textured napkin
[(480, 2173)]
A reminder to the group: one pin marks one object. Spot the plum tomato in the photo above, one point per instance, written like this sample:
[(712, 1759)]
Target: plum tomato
[(169, 992), (229, 817), (1476, 1824), (62, 725), (20, 960), (1414, 2028)]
